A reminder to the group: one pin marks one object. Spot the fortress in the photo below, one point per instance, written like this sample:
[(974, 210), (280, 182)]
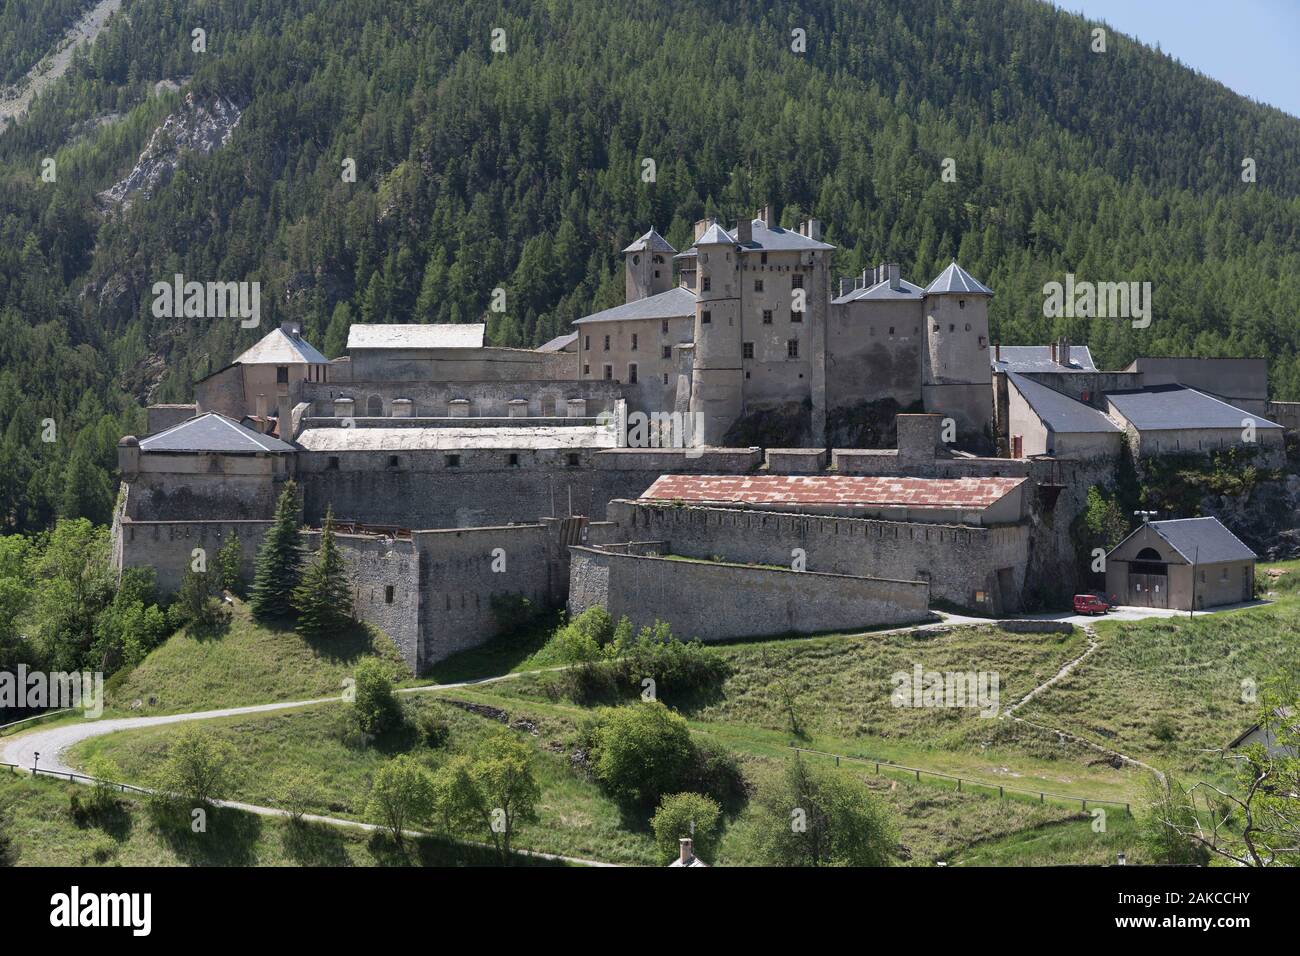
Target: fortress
[(461, 474)]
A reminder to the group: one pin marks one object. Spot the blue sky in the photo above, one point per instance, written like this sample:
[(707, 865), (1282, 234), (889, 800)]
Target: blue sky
[(1251, 46)]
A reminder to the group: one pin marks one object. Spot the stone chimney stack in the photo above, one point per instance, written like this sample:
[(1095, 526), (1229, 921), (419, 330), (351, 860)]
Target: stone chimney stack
[(765, 214), (895, 276), (702, 226), (868, 279), (1055, 360), (997, 351), (262, 421), (744, 230), (814, 229), (846, 285), (1063, 350), (686, 850)]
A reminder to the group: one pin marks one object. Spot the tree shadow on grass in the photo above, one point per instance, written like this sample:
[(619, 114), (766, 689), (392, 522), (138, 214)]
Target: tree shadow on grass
[(315, 844), (441, 852), (343, 647), (230, 838)]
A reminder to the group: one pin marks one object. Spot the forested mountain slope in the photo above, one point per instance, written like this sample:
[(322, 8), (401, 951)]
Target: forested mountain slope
[(522, 169)]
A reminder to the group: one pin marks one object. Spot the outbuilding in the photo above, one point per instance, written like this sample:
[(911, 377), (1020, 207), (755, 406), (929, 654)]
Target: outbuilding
[(1181, 564)]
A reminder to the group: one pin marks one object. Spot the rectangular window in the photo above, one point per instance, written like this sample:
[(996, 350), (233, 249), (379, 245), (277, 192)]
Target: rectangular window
[(705, 284), (574, 459), (665, 378), (609, 373), (668, 352), (333, 463), (631, 373), (748, 350), (388, 594), (796, 316), (514, 459), (796, 281), (706, 317), (453, 461), (758, 285), (767, 316), (792, 348), (607, 343), (634, 341), (665, 327), (763, 258), (393, 461), (586, 370), (282, 375), (587, 345)]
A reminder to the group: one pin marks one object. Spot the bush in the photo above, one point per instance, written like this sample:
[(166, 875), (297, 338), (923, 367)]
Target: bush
[(401, 794), (678, 668), (375, 707), (1164, 729), (432, 727), (642, 751), (686, 815), (197, 767), (489, 792)]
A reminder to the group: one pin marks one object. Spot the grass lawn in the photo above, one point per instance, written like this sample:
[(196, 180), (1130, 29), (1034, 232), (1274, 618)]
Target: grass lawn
[(243, 662), (1169, 691), (1073, 840), (34, 814)]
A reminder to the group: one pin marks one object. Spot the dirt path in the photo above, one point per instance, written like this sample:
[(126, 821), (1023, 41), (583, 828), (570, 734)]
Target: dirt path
[(53, 66)]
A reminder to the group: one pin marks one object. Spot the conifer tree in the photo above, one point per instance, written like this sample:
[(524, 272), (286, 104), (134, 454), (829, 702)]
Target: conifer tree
[(323, 598), (279, 560), (228, 561)]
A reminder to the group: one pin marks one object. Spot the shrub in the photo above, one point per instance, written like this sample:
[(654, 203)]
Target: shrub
[(489, 792), (229, 558), (432, 727), (197, 767), (1164, 729), (401, 794), (642, 751), (686, 815), (375, 707)]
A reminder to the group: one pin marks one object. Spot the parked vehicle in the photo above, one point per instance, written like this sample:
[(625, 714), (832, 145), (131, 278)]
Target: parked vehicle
[(1089, 604)]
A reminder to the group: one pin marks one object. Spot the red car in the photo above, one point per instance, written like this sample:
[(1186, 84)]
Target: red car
[(1089, 604)]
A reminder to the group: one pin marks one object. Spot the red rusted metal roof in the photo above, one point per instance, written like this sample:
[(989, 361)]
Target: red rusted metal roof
[(968, 493)]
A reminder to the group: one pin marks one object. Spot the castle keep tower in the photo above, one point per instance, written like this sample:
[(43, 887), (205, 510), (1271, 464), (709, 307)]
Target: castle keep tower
[(717, 392), (648, 265), (956, 376)]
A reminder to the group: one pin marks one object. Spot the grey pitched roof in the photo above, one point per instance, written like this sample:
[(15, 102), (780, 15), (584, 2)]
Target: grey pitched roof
[(1203, 539), (278, 347), (958, 280), (213, 432), (715, 235), (881, 291), (675, 303), (1038, 358), (650, 242), (1169, 407), (465, 335), (764, 239), (1059, 412), (559, 343)]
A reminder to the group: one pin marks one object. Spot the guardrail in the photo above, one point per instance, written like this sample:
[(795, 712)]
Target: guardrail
[(1002, 789), (6, 728), (73, 777)]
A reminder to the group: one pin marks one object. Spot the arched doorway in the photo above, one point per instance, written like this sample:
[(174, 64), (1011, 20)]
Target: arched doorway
[(374, 407), (1148, 579)]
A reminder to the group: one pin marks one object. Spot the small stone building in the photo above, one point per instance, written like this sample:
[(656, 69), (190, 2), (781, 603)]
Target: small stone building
[(1182, 564)]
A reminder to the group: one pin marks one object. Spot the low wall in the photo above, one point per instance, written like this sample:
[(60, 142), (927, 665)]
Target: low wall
[(712, 601), (168, 546)]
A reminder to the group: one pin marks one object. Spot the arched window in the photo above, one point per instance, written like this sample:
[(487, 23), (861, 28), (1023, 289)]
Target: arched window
[(374, 406), (1148, 554)]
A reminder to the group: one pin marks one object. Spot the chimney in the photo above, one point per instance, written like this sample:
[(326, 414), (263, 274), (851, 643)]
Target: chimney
[(846, 285), (765, 214), (814, 229), (1064, 350), (744, 230), (686, 851), (997, 351), (895, 276), (262, 423), (1054, 361), (866, 282), (702, 226), (284, 417)]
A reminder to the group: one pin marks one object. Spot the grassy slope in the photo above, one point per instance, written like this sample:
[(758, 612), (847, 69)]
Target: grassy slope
[(242, 663), (36, 817)]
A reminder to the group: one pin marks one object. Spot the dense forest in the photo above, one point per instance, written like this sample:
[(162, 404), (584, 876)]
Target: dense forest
[(522, 168), (29, 29)]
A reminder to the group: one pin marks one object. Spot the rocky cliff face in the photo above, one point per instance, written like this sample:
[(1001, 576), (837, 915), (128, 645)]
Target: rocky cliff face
[(200, 126), (1267, 518)]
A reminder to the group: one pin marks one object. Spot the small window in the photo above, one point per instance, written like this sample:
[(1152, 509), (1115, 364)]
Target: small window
[(656, 273), (796, 316), (453, 461), (967, 326), (796, 281), (636, 260), (574, 459), (634, 341), (665, 378), (758, 285), (706, 284), (631, 373), (282, 375), (767, 316), (609, 373), (388, 594), (665, 327), (514, 459), (587, 343), (792, 348), (952, 327), (333, 463), (706, 317), (748, 350), (961, 303), (763, 258), (393, 461), (607, 343), (668, 352), (586, 370)]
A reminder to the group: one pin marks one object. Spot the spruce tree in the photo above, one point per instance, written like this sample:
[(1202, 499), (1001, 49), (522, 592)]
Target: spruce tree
[(323, 599), (279, 560), (228, 561)]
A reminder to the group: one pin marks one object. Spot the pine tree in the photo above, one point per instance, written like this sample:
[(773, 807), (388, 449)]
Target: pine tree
[(323, 599), (228, 561), (279, 560)]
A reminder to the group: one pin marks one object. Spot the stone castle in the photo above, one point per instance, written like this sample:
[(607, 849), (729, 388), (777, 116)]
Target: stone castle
[(462, 474)]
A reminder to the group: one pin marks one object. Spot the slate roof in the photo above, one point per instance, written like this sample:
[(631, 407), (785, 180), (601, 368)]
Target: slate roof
[(213, 432), (956, 279), (559, 343), (1038, 358), (467, 335), (764, 239), (673, 304), (1171, 407), (966, 493), (278, 347), (881, 290), (1058, 412), (650, 242), (1205, 540)]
